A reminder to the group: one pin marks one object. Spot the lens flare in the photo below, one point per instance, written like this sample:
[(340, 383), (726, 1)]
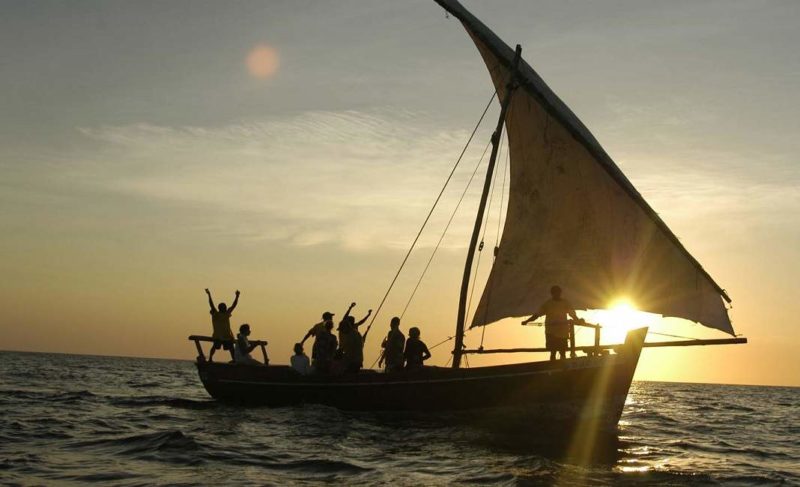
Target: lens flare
[(262, 61)]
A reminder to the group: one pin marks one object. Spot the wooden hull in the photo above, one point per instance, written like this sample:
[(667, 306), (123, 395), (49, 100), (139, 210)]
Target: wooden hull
[(575, 389)]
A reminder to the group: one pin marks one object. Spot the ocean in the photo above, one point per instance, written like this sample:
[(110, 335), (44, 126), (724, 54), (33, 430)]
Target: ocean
[(74, 419)]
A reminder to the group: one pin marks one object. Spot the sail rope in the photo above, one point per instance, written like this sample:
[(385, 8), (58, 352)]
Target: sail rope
[(483, 235), (496, 239), (502, 198), (452, 216), (672, 336), (427, 218), (442, 342), (485, 227)]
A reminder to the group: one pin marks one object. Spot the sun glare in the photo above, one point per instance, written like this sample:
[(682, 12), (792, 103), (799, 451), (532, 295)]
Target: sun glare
[(620, 317)]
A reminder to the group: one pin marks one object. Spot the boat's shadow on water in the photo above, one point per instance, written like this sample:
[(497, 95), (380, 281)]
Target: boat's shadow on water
[(582, 444)]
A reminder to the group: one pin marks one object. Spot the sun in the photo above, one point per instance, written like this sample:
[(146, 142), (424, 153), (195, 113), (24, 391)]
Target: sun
[(622, 312), (620, 317)]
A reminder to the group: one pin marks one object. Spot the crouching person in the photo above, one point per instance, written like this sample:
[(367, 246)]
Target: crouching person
[(244, 347)]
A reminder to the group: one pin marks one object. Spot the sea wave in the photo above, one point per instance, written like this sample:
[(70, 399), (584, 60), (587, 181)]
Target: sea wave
[(175, 402), (144, 422)]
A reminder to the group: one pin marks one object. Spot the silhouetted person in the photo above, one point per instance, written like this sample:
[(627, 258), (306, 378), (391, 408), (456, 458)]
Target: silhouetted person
[(221, 321), (416, 351), (317, 330), (556, 322), (244, 347), (393, 347), (325, 346), (363, 320), (351, 346), (299, 360), (344, 321)]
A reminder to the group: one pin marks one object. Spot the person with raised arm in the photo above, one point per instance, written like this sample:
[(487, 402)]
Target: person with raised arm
[(557, 312), (345, 322), (349, 321), (363, 320), (221, 321), (351, 343)]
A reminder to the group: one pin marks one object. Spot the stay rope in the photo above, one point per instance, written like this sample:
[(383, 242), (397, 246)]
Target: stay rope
[(483, 236), (427, 218), (452, 216), (672, 336), (485, 228), (496, 239)]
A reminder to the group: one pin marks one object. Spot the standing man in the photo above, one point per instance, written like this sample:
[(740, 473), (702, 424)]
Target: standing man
[(556, 323), (221, 321), (325, 345), (393, 347), (317, 330)]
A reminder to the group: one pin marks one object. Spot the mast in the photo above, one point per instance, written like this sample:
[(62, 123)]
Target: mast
[(473, 243)]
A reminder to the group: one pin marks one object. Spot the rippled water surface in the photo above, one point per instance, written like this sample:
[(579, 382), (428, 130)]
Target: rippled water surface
[(71, 419)]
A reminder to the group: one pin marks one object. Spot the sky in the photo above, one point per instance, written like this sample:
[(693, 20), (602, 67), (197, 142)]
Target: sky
[(291, 149)]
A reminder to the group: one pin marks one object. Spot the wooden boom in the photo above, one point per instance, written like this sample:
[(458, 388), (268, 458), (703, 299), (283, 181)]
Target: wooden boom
[(680, 343), (202, 358)]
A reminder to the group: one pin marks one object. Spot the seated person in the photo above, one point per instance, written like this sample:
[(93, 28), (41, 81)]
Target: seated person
[(299, 360), (416, 351), (243, 347)]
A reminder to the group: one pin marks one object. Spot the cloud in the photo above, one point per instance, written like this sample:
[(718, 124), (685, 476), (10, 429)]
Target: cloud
[(365, 180), (351, 178)]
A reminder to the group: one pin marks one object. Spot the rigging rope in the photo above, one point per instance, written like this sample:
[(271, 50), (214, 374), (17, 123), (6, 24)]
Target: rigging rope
[(442, 342), (672, 336), (414, 243), (425, 270), (496, 248), (485, 227), (502, 198)]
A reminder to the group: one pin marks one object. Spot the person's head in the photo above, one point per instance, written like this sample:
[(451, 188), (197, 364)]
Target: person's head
[(395, 323), (244, 329), (351, 320), (329, 325), (413, 332), (345, 326), (298, 349), (555, 291), (327, 316), (222, 307)]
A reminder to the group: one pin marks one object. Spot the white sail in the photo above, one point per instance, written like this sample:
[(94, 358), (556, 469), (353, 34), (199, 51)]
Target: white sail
[(574, 219)]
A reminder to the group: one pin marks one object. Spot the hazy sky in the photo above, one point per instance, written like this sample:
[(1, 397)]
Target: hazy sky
[(142, 159)]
